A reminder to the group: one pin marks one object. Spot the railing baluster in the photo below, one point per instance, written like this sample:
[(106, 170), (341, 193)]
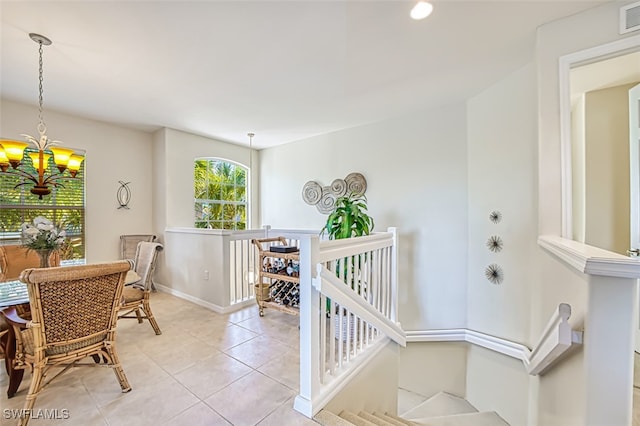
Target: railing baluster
[(332, 337)]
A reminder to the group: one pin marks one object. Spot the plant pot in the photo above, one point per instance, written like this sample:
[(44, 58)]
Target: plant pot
[(342, 325)]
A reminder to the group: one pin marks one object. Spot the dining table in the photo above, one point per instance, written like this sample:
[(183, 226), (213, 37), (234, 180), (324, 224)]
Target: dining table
[(14, 294)]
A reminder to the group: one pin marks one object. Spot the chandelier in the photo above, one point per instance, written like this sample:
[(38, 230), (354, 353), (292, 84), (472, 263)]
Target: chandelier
[(12, 152)]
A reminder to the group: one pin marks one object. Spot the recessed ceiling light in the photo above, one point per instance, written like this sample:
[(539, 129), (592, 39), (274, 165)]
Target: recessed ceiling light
[(421, 10)]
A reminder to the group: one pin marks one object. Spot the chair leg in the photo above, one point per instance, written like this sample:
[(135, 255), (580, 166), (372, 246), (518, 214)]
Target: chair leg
[(8, 342), (147, 310), (34, 390), (117, 368), (139, 315)]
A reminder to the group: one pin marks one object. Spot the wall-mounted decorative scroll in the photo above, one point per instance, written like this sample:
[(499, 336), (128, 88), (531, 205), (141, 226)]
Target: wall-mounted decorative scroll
[(324, 197), (123, 195)]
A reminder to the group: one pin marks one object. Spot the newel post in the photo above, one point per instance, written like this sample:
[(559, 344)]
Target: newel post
[(608, 350), (310, 314), (394, 274)]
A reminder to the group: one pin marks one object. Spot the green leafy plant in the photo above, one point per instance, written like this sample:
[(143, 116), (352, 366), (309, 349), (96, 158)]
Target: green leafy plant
[(349, 218)]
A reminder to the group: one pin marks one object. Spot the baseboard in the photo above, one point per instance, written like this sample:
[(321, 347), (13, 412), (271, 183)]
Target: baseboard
[(211, 306)]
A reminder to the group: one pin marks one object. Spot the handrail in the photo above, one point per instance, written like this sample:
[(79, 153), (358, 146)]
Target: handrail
[(336, 249), (328, 284), (557, 338)]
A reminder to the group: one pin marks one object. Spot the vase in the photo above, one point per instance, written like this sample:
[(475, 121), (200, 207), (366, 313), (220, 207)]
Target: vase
[(44, 254)]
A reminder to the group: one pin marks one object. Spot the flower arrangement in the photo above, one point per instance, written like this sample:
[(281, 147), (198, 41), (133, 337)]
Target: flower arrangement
[(42, 235)]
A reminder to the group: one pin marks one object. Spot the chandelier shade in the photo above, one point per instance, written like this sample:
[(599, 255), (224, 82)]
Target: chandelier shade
[(39, 149)]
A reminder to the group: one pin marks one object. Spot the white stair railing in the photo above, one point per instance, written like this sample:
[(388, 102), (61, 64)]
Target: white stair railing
[(348, 310), (243, 261), (557, 339)]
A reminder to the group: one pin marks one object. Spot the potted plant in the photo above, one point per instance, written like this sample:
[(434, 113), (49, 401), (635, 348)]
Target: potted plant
[(348, 219)]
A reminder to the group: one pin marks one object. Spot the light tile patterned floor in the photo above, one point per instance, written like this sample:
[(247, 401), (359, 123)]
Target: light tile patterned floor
[(205, 369)]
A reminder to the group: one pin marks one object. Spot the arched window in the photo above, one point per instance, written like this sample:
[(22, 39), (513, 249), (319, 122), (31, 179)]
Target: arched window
[(220, 188)]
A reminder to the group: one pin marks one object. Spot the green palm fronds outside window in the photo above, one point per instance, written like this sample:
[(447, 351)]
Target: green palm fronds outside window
[(220, 192)]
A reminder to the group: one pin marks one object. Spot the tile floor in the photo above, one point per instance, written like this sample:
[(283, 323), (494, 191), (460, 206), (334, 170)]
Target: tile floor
[(205, 369)]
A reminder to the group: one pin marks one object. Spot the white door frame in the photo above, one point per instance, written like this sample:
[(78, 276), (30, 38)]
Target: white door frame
[(566, 63)]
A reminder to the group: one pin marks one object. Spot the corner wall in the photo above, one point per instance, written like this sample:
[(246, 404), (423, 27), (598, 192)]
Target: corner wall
[(555, 281), (174, 155), (416, 171), (502, 178)]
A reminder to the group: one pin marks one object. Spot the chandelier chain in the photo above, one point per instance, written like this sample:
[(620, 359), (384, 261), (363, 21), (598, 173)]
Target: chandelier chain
[(42, 128)]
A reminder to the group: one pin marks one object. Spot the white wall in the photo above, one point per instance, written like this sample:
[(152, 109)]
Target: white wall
[(112, 154), (174, 154), (427, 368), (181, 150), (502, 177), (607, 168), (555, 282), (415, 168)]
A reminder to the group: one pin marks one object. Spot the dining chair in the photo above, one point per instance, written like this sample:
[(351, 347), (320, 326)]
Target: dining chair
[(15, 258), (136, 296), (66, 325), (129, 244)]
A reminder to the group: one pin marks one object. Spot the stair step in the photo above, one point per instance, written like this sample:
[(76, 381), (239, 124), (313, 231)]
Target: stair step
[(377, 420), (440, 404), (327, 418), (484, 418), (395, 420), (408, 399), (355, 419)]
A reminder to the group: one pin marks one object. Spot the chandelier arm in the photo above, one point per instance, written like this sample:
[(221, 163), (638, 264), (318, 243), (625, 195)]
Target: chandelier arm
[(53, 179), (22, 174)]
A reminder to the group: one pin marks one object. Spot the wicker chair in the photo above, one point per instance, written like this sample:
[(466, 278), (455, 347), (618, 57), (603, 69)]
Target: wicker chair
[(136, 295), (67, 326), (129, 244), (13, 260)]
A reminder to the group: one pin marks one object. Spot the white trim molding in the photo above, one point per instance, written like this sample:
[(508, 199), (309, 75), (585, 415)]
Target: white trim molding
[(590, 260), (565, 64), (556, 341), (496, 344)]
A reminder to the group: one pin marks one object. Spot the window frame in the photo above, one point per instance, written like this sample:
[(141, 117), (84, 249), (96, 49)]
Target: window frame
[(219, 222)]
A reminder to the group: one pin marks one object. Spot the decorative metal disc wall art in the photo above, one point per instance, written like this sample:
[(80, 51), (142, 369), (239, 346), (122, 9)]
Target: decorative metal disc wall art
[(324, 197), (327, 201), (311, 193), (356, 184), (494, 243), (123, 195), (494, 273), (495, 216)]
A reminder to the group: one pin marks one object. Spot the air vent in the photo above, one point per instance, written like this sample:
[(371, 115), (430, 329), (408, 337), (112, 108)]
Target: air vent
[(630, 18)]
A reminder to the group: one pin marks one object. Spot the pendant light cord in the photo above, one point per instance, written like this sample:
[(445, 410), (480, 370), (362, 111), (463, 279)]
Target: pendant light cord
[(42, 128)]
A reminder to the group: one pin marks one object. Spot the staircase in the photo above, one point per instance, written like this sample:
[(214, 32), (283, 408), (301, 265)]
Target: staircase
[(442, 409)]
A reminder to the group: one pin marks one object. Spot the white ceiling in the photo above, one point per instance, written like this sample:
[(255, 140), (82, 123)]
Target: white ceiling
[(285, 70)]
